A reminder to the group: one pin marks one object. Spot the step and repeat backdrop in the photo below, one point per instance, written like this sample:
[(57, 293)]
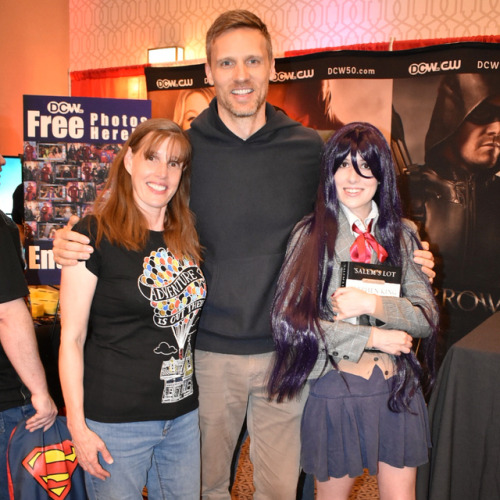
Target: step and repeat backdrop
[(439, 107)]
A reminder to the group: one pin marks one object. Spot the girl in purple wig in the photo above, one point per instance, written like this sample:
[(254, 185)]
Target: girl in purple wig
[(365, 408)]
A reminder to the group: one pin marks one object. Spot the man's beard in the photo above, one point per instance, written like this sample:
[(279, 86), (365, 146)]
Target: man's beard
[(248, 112)]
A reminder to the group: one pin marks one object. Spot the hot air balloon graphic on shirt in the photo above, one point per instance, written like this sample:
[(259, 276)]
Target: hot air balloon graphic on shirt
[(175, 288)]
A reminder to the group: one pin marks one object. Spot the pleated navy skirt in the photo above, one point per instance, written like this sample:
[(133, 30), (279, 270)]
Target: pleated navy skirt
[(347, 427)]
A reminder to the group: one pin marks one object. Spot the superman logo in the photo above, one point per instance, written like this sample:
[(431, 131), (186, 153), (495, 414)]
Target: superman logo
[(52, 466)]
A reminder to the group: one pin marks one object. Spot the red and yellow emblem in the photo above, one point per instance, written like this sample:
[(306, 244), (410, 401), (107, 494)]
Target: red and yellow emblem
[(52, 466)]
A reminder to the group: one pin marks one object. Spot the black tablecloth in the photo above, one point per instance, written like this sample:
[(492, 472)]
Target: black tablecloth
[(465, 421), (48, 337)]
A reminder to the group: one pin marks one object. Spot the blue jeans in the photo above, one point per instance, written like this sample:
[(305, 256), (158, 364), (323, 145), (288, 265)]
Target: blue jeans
[(163, 455), (8, 421)]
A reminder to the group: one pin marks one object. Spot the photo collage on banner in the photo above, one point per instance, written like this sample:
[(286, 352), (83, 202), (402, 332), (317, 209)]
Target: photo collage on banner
[(61, 180), (69, 145), (439, 108)]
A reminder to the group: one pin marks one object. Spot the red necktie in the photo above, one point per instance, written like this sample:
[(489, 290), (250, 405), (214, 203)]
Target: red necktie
[(361, 249)]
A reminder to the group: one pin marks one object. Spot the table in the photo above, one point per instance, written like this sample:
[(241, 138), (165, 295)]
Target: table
[(464, 413)]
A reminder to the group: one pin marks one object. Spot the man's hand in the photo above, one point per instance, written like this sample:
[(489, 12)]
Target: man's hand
[(18, 339), (70, 246), (46, 412), (426, 260)]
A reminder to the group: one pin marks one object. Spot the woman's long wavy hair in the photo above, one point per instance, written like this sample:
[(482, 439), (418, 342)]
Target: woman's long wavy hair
[(302, 291), (118, 217)]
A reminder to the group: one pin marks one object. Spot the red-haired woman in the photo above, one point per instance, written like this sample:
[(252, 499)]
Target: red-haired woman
[(129, 318)]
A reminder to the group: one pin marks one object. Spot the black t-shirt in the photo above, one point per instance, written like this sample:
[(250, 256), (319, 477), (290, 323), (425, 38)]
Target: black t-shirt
[(141, 334), (12, 286)]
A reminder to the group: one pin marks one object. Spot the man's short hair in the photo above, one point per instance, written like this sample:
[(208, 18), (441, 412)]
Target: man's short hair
[(233, 19)]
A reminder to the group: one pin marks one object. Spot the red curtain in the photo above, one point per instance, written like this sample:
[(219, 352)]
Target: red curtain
[(412, 44), (129, 82), (399, 45), (122, 83)]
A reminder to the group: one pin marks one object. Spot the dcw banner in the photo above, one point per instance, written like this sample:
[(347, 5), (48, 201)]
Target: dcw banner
[(439, 107), (69, 145)]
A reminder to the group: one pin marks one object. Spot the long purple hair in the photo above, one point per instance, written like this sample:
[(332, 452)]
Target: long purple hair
[(302, 291)]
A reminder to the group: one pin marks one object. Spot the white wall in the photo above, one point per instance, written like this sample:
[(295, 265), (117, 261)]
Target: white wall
[(110, 33), (34, 41)]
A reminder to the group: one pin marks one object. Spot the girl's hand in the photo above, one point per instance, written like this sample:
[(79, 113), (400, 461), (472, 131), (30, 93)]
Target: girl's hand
[(390, 341), (349, 302)]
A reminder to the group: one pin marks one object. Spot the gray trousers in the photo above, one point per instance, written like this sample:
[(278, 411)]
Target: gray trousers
[(233, 387)]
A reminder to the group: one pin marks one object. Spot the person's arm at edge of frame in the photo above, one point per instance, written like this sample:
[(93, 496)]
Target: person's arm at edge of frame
[(18, 339), (77, 291), (69, 246)]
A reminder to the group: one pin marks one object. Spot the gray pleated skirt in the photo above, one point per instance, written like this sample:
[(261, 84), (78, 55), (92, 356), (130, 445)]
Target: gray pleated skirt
[(347, 427)]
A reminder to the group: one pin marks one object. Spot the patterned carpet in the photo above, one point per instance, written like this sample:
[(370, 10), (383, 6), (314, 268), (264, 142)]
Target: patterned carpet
[(365, 487)]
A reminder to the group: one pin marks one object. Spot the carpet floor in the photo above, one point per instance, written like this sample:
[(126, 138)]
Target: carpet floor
[(365, 487)]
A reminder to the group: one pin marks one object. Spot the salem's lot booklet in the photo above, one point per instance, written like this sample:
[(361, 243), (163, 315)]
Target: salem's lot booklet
[(372, 278)]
